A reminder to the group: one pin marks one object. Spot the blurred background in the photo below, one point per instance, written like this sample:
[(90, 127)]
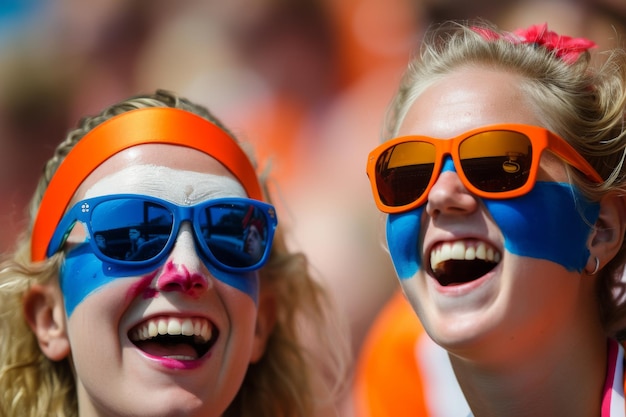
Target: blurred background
[(306, 82)]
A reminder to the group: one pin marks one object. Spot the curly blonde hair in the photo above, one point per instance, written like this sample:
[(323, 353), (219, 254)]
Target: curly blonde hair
[(583, 103), (294, 378)]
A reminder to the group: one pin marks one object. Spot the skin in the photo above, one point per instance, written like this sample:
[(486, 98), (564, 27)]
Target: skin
[(114, 377), (526, 335)]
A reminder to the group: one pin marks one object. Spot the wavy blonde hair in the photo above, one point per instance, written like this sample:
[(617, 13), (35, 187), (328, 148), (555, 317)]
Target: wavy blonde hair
[(295, 377), (583, 103)]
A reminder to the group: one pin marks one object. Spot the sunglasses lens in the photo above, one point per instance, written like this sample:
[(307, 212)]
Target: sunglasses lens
[(496, 161), (403, 172), (235, 233), (131, 229)]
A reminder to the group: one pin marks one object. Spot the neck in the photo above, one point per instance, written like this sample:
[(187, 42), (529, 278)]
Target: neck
[(544, 384)]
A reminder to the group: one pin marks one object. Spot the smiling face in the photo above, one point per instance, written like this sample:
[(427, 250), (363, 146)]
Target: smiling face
[(206, 318), (473, 269)]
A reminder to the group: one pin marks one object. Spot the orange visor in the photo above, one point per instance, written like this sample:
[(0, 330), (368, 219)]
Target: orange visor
[(137, 127)]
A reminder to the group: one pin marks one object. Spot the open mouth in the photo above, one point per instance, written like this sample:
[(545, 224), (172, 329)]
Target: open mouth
[(174, 337), (460, 262)]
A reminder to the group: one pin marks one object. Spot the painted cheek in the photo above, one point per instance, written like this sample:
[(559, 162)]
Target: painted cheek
[(403, 240), (552, 222), (247, 283), (83, 273), (142, 288), (403, 232)]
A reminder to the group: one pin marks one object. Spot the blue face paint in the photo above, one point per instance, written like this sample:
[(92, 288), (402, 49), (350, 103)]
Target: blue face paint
[(552, 222), (83, 273), (403, 232)]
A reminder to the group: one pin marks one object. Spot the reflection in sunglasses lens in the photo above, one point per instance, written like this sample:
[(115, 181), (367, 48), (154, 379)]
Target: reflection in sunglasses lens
[(132, 229), (235, 234), (404, 171), (128, 229), (496, 161)]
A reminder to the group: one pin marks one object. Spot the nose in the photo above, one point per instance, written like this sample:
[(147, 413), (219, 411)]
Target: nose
[(448, 195), (184, 271)]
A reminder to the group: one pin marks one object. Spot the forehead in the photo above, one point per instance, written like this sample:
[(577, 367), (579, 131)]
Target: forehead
[(467, 99), (174, 173)]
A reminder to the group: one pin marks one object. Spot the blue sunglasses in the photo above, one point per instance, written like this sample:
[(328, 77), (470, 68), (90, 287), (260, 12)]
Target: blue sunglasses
[(136, 230)]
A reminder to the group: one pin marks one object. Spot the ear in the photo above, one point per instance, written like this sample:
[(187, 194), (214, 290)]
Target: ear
[(45, 314), (608, 234), (266, 319)]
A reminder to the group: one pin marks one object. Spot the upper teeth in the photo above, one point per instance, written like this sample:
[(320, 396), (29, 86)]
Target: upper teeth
[(463, 250), (197, 327)]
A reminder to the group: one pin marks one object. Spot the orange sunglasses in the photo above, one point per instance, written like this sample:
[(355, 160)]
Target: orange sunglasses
[(498, 162)]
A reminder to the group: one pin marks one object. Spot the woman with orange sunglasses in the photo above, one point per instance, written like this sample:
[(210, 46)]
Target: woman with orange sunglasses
[(503, 179), (193, 323)]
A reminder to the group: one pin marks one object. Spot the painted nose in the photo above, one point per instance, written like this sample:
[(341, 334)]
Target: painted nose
[(448, 195), (184, 270)]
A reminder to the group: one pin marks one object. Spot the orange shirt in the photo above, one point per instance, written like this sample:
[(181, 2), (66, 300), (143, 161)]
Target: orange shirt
[(401, 372)]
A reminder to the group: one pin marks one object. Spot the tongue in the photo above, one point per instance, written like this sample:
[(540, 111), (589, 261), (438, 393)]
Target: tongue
[(171, 350)]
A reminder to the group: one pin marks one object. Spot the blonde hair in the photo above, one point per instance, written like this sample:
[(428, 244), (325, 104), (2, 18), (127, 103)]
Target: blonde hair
[(583, 104), (292, 379)]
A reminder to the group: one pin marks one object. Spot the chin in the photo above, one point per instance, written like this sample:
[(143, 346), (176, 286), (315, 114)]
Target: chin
[(182, 404)]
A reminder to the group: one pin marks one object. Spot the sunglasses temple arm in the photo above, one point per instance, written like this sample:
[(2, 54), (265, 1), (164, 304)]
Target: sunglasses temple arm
[(575, 159)]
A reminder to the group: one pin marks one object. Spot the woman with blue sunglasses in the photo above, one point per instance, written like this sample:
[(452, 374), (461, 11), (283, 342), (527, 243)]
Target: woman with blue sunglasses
[(502, 177), (198, 317)]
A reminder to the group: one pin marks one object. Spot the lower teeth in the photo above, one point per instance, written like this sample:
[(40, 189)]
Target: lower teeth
[(180, 357)]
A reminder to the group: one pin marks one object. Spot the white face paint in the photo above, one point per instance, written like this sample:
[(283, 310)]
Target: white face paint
[(178, 186)]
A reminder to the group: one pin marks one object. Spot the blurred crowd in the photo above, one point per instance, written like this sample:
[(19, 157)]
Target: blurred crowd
[(305, 82)]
